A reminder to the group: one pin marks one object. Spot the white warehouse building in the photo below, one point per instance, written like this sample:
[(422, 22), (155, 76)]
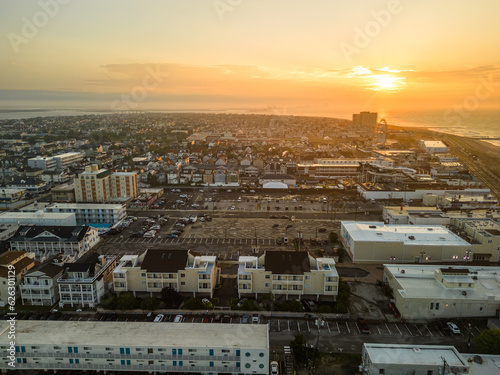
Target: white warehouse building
[(431, 292), (138, 347), (377, 242)]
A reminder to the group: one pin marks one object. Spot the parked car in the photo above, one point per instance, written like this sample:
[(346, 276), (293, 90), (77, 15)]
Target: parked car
[(178, 318), (245, 319), (159, 318), (255, 319), (275, 368), (363, 326), (453, 328)]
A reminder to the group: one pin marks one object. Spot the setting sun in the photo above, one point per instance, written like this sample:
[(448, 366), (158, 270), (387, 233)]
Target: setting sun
[(387, 83)]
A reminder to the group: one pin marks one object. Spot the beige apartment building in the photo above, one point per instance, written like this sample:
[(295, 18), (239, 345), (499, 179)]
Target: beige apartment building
[(101, 185), (483, 234), (293, 275), (184, 271)]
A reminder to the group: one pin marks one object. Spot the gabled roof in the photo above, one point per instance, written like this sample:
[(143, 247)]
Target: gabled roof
[(165, 260), (50, 233), (48, 268), (287, 262), (9, 256)]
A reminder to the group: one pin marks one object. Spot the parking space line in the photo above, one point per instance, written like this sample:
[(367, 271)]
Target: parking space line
[(470, 331), (347, 325), (298, 326), (428, 330), (418, 330), (390, 333), (477, 329), (379, 332), (356, 324), (408, 330), (278, 325), (328, 326), (288, 324), (338, 329), (398, 329)]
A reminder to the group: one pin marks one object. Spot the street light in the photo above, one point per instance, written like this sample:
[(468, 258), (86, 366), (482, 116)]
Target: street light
[(467, 256), (393, 259)]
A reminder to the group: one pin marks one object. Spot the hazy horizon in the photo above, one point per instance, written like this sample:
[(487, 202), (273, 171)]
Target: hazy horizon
[(288, 57)]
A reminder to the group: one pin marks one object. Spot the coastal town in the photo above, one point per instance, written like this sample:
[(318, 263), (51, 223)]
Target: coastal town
[(299, 241)]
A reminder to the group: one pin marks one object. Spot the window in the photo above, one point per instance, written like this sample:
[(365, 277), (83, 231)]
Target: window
[(183, 283), (247, 365), (437, 305), (267, 285), (261, 355), (268, 276), (183, 275), (381, 371), (432, 305), (247, 354)]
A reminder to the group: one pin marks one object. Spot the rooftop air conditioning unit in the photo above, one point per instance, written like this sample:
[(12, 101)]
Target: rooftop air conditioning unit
[(402, 271)]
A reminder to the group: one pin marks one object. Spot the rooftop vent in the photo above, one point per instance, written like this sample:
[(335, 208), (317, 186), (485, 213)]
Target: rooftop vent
[(430, 229), (411, 237), (402, 271), (379, 234), (372, 226), (416, 350)]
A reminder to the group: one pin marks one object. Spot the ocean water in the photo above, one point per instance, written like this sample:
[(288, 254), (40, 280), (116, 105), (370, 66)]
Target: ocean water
[(469, 124)]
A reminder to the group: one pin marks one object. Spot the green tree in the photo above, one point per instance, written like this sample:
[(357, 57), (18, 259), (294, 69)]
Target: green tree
[(126, 301), (333, 237), (194, 304), (150, 303), (302, 352), (170, 298), (250, 305), (343, 296), (488, 342)]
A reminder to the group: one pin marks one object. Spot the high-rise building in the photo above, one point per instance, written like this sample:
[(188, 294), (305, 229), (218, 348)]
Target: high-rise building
[(100, 185), (365, 119)]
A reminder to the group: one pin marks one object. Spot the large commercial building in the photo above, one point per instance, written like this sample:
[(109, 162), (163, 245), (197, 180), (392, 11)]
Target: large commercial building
[(85, 281), (403, 359), (38, 218), (377, 242), (42, 162), (64, 160), (101, 185), (55, 162), (288, 274), (46, 241), (365, 119), (325, 169), (429, 292), (433, 147), (182, 270), (483, 234), (88, 213), (138, 347)]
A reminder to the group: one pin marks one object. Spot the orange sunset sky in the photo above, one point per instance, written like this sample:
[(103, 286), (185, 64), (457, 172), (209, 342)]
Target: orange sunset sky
[(323, 57)]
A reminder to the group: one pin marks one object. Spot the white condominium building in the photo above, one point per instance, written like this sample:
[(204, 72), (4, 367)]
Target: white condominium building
[(84, 282), (138, 347), (289, 274)]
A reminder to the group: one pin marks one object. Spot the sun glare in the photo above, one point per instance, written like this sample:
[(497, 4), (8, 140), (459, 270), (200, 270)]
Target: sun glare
[(387, 83)]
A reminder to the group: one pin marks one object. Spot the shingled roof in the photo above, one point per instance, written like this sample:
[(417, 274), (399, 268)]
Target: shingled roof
[(287, 262), (165, 260)]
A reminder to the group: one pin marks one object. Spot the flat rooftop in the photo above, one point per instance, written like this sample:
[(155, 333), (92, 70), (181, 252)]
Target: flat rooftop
[(36, 215), (419, 281), (135, 334), (92, 206), (414, 354), (429, 235)]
